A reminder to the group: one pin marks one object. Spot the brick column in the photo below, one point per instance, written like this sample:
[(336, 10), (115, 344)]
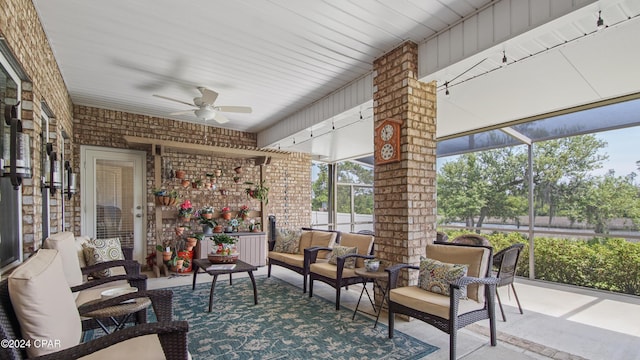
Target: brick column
[(405, 191)]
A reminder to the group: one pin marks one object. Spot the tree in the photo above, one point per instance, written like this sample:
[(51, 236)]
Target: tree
[(320, 188), (606, 197), (494, 183)]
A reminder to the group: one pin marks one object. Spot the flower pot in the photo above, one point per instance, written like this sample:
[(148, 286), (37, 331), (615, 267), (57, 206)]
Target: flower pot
[(189, 248), (207, 230), (244, 216), (179, 230), (255, 230), (217, 229), (179, 263), (180, 174), (238, 170), (185, 183), (226, 216), (207, 216), (218, 172), (185, 218), (228, 229), (166, 255)]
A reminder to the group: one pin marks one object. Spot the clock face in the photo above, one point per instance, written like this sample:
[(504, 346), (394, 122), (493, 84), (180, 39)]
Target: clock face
[(387, 151), (386, 133)]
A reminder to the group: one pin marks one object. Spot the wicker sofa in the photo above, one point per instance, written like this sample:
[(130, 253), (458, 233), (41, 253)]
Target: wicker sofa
[(295, 261)]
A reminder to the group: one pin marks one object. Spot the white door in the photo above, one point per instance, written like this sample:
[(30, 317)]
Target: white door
[(112, 196)]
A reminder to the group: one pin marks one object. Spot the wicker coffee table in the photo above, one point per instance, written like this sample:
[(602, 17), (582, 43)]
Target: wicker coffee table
[(240, 266)]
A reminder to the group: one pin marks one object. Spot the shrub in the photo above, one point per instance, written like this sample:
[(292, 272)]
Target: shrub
[(608, 264)]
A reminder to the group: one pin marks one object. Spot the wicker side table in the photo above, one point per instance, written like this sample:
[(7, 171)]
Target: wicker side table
[(121, 311)]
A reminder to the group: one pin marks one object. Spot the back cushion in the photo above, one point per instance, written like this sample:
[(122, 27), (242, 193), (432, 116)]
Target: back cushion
[(83, 239), (477, 258), (324, 239), (43, 303), (287, 241), (305, 241), (364, 243), (65, 243), (102, 250)]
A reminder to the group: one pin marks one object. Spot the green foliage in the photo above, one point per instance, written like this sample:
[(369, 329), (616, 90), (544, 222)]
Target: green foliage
[(349, 175), (611, 264)]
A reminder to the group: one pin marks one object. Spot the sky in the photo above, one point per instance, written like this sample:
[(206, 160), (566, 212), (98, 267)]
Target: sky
[(623, 149)]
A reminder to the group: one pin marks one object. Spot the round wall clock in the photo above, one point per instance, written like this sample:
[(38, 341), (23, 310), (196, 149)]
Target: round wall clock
[(387, 141)]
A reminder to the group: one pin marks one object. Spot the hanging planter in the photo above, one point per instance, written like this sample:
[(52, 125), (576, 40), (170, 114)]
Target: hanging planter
[(258, 192), (238, 170), (180, 174)]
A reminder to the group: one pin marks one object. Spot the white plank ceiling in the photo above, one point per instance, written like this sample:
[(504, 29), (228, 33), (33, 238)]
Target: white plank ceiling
[(282, 56)]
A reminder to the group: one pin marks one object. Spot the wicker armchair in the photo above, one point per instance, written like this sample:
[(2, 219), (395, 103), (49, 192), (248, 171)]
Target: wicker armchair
[(448, 312), (51, 314), (506, 261), (338, 276), (124, 273)]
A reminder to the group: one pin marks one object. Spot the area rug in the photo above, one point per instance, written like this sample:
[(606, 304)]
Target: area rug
[(286, 324)]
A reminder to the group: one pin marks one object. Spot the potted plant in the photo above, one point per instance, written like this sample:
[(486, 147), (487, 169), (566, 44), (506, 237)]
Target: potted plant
[(180, 174), (236, 179), (208, 224), (244, 212), (206, 212), (238, 169), (254, 226), (185, 210), (259, 192), (196, 183), (166, 252), (180, 228), (224, 250), (226, 213)]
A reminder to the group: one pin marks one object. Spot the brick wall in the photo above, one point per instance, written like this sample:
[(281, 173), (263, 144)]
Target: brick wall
[(20, 26), (289, 180), (405, 191)]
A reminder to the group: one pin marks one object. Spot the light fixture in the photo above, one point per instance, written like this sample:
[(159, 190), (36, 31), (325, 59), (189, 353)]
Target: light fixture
[(53, 180), (16, 147), (333, 125), (446, 86), (504, 57), (70, 188), (205, 113), (600, 22)]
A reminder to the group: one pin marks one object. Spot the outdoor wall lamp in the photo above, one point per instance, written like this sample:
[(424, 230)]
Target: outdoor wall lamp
[(16, 145), (70, 188), (53, 180)]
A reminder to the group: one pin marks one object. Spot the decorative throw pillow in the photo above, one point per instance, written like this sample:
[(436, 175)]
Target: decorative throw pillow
[(287, 241), (343, 250), (435, 276), (101, 250)]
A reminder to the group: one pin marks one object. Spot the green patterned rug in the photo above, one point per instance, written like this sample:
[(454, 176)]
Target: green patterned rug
[(285, 324)]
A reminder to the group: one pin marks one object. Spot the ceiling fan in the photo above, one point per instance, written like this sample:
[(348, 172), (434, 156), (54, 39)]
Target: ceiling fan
[(204, 108)]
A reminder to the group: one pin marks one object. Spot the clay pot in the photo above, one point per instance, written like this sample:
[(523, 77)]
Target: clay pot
[(179, 230), (238, 170), (166, 255), (189, 248), (192, 241), (218, 172), (185, 218), (180, 174), (185, 183), (207, 215), (217, 229), (226, 216)]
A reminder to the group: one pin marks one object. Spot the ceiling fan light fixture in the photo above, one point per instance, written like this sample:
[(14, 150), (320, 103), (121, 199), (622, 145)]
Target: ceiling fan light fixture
[(205, 113)]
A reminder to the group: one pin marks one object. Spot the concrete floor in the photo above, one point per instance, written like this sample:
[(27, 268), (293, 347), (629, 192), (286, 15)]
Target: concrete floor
[(559, 322)]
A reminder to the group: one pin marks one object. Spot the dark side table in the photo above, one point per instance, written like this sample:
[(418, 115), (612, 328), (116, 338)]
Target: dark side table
[(380, 280), (240, 266)]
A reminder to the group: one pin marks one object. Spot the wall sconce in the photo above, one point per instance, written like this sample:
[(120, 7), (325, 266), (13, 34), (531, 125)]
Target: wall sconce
[(53, 180), (70, 188), (16, 147)]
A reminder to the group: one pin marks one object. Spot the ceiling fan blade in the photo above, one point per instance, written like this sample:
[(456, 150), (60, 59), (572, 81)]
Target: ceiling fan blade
[(208, 96), (176, 100), (235, 109), (182, 112), (221, 119)]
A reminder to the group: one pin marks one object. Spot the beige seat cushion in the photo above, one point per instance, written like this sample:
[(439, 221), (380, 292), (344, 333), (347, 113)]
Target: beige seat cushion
[(291, 259), (305, 241), (429, 302), (328, 270), (139, 348), (43, 302), (65, 243), (477, 258), (364, 243)]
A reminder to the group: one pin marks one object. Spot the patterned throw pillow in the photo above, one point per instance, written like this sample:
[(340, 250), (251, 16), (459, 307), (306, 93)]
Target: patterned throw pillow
[(287, 241), (435, 276), (101, 250), (343, 250)]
